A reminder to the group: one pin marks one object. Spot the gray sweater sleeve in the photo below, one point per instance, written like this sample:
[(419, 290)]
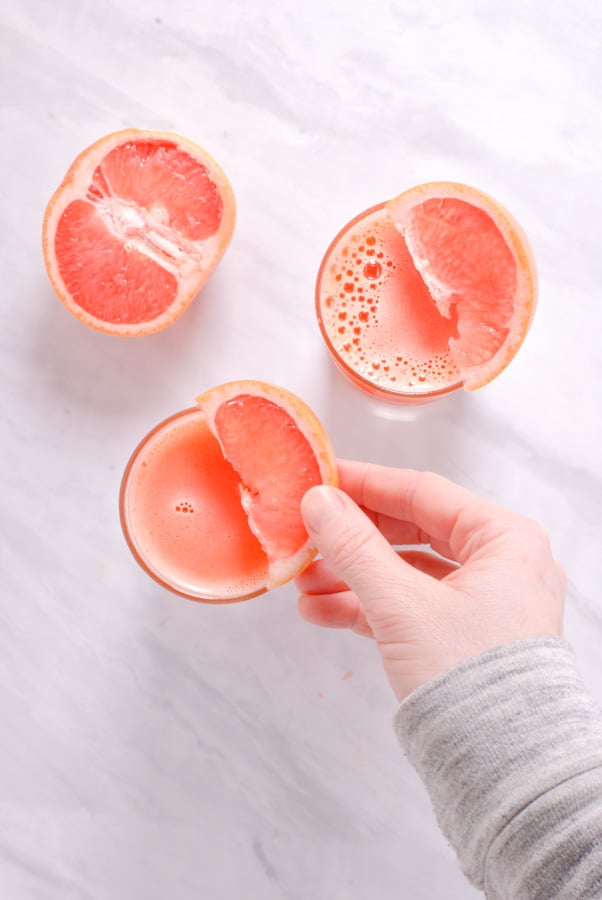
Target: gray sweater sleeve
[(509, 746)]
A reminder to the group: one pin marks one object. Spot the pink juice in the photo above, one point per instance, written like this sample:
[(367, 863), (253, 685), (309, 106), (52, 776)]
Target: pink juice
[(377, 318), (182, 515)]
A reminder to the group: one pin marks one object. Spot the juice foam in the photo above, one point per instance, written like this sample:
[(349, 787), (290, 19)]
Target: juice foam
[(377, 315)]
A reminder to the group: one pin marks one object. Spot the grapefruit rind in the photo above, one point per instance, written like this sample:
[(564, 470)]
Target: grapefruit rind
[(525, 298), (195, 273), (280, 570)]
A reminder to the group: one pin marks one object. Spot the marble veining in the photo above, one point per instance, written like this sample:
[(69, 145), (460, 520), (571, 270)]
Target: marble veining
[(157, 748)]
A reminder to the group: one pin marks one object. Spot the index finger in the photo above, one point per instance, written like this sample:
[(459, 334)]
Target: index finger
[(447, 515)]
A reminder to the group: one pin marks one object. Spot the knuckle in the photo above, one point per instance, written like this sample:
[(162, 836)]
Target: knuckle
[(537, 534)]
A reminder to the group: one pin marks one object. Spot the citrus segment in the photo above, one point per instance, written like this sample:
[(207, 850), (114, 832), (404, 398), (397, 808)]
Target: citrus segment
[(160, 177), (478, 268), (103, 277), (279, 449), (467, 267), (277, 474), (134, 230)]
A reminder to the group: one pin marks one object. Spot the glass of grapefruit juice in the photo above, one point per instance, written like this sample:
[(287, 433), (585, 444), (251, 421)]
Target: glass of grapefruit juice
[(210, 500), (425, 294)]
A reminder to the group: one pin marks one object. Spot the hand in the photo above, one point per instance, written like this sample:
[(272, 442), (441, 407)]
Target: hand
[(494, 579)]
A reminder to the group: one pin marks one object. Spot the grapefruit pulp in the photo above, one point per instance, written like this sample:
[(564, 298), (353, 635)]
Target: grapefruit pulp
[(432, 291), (210, 500), (134, 230)]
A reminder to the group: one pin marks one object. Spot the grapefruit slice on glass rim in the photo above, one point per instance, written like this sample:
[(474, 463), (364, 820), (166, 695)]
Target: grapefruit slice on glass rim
[(279, 449), (238, 465), (477, 265), (134, 230)]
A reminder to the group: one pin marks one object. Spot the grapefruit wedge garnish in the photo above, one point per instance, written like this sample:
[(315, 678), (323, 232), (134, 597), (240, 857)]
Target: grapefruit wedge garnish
[(135, 229), (279, 449), (475, 262)]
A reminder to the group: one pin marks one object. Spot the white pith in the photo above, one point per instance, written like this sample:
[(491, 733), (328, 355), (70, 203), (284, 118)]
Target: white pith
[(143, 231)]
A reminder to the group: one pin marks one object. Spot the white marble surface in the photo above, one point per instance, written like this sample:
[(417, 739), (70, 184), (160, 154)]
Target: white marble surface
[(152, 747)]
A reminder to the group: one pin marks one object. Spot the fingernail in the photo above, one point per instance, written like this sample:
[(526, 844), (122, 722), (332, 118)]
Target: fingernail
[(320, 505)]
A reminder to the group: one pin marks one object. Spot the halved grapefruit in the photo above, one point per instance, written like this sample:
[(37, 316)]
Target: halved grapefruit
[(134, 230)]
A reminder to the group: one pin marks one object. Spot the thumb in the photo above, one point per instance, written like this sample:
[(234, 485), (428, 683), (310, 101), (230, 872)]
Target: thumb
[(358, 553)]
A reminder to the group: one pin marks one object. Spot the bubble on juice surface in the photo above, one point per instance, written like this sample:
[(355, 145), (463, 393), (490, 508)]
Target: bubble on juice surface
[(373, 270)]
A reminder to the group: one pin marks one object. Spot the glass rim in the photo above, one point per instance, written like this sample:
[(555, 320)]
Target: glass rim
[(128, 531)]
